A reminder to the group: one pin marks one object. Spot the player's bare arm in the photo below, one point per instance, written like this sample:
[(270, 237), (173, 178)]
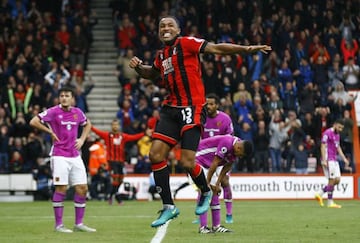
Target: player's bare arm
[(145, 71), (323, 154), (85, 132), (211, 172), (225, 169), (228, 48), (36, 123), (342, 155)]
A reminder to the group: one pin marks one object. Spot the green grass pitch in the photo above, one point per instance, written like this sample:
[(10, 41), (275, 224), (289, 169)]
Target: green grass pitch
[(254, 221)]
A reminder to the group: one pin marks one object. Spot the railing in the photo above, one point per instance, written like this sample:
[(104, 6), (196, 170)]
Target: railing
[(17, 183)]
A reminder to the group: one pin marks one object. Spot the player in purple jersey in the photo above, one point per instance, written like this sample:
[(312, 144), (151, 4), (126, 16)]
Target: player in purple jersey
[(330, 148), (62, 122), (216, 156), (219, 123)]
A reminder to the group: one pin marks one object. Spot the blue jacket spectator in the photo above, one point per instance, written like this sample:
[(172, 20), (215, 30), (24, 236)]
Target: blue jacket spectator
[(284, 74), (243, 109), (255, 63), (306, 74)]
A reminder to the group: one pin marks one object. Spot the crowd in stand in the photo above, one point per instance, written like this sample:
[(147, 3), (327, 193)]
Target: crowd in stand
[(43, 46), (281, 101)]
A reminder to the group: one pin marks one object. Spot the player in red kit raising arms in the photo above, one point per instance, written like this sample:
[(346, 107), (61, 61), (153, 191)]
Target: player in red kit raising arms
[(115, 142), (182, 114)]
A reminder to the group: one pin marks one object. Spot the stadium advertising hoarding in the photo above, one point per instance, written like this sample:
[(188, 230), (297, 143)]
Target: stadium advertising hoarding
[(257, 187)]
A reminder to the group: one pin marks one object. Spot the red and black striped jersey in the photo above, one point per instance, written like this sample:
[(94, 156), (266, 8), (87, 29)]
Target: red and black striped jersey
[(115, 143), (180, 70)]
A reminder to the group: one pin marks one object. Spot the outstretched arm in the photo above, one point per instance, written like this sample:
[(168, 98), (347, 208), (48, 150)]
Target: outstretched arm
[(228, 49)]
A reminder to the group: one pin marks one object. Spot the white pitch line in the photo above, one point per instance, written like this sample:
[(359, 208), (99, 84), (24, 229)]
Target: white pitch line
[(160, 233)]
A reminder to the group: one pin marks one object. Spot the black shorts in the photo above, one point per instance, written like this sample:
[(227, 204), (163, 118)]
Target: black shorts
[(177, 123), (117, 168)]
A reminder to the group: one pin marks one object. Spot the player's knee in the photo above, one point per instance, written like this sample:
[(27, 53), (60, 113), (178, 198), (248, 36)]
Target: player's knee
[(156, 157), (158, 152), (81, 189), (61, 188), (188, 165)]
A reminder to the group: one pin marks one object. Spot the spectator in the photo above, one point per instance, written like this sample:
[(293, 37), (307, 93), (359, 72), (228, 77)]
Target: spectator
[(246, 133), (4, 119), (144, 165), (322, 119), (296, 136), (278, 136), (16, 164), (79, 45), (332, 48), (308, 125), (82, 90), (125, 73), (309, 99), (289, 97), (351, 73), (274, 103), (125, 114), (349, 49), (38, 96), (243, 109), (261, 146), (301, 160), (258, 89), (4, 147), (347, 27), (63, 35), (284, 74), (340, 93), (87, 23), (57, 76), (19, 100), (335, 74), (321, 55), (33, 151), (346, 137), (42, 176), (126, 34), (271, 66), (20, 127), (211, 80), (99, 171), (320, 77), (241, 90)]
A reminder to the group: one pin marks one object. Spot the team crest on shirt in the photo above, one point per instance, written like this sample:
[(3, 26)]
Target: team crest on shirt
[(167, 66), (75, 116), (117, 141), (223, 150), (218, 124)]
